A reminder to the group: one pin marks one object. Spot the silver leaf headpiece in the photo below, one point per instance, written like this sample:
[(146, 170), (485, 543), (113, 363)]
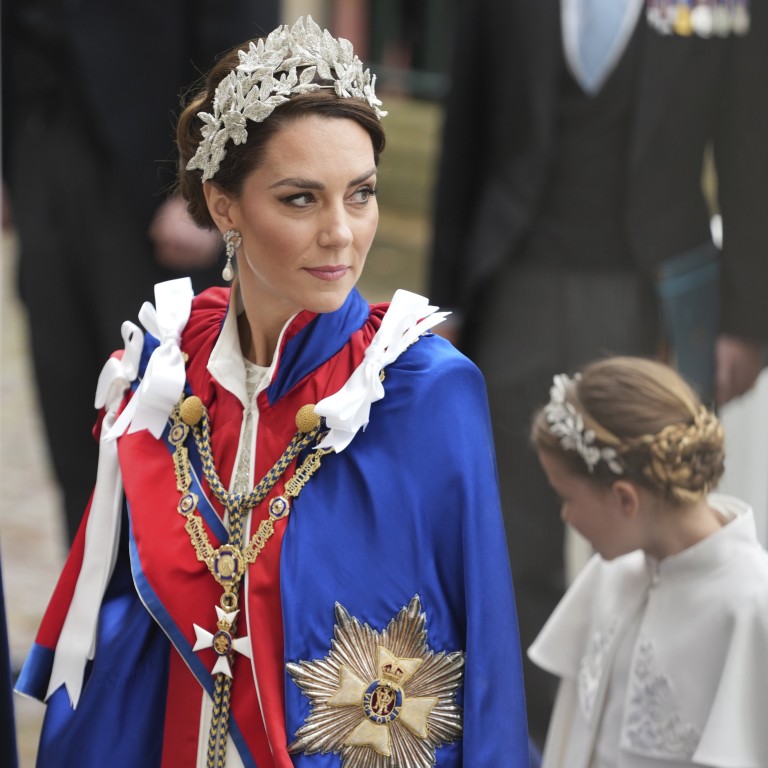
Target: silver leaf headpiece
[(267, 76), (566, 423)]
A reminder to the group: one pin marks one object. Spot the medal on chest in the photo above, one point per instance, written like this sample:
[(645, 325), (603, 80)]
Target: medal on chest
[(702, 18), (380, 698)]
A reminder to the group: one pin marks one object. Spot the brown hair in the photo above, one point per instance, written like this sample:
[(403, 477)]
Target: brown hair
[(665, 439), (241, 159)]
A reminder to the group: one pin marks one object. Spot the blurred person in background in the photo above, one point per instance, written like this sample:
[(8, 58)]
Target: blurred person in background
[(570, 221), (90, 94)]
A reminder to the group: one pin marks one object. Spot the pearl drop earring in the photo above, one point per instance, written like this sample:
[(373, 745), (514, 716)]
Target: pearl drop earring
[(232, 241)]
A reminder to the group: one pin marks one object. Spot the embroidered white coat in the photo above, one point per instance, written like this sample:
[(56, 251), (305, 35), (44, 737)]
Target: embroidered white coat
[(697, 689)]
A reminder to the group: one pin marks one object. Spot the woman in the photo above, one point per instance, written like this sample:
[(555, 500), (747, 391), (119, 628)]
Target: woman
[(287, 597)]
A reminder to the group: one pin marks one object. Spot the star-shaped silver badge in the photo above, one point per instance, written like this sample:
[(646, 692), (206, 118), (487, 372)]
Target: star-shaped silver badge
[(380, 699)]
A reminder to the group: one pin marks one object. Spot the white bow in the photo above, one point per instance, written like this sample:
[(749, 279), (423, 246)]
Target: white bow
[(78, 635), (348, 410), (164, 378)]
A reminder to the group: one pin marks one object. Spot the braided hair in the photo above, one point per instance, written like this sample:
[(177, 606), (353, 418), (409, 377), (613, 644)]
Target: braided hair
[(664, 439)]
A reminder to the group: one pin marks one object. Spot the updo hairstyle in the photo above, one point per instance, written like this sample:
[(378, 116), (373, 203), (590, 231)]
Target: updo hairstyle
[(241, 159), (664, 438)]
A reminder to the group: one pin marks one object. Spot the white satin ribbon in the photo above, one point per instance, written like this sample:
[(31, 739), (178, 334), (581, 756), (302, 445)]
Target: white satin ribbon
[(78, 635), (348, 410), (163, 381)]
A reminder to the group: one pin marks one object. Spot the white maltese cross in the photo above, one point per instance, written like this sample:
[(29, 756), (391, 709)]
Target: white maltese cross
[(223, 644)]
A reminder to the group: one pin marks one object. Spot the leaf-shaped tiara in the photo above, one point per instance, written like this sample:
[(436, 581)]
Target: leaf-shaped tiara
[(267, 76), (567, 423)]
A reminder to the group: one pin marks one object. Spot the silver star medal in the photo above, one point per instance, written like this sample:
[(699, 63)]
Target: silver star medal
[(380, 698), (222, 642)]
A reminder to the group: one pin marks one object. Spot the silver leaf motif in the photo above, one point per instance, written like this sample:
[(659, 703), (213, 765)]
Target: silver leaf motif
[(267, 76), (567, 423)]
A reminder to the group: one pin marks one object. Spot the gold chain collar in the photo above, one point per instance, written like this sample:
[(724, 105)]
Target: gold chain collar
[(229, 562)]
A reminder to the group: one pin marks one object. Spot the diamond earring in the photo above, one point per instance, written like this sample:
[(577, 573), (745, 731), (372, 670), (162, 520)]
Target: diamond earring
[(232, 241)]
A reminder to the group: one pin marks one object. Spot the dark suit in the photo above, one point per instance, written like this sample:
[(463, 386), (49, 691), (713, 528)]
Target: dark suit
[(90, 94), (530, 309)]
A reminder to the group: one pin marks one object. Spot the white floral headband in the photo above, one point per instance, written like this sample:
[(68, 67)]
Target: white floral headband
[(566, 423), (267, 76)]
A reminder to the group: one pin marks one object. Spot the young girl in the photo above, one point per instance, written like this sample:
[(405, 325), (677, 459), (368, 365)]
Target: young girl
[(661, 643)]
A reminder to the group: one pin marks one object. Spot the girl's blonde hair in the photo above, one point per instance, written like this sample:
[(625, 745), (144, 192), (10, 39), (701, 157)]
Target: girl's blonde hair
[(664, 438)]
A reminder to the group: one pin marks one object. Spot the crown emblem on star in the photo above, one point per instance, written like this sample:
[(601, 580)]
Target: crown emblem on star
[(392, 672)]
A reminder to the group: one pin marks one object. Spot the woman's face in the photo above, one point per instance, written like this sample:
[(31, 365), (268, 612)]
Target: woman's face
[(307, 217), (591, 509)]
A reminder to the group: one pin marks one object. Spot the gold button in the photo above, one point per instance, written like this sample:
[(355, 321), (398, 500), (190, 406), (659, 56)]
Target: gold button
[(191, 410), (306, 418)]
